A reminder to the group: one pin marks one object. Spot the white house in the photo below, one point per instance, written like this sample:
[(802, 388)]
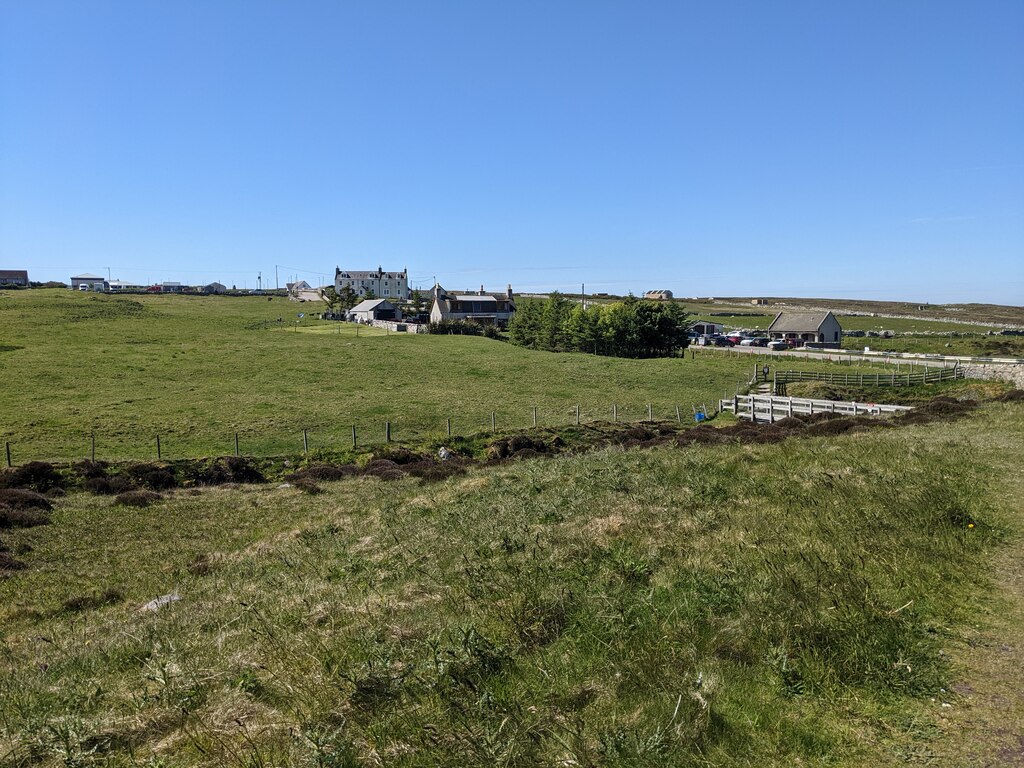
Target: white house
[(819, 329), (384, 285), (480, 307)]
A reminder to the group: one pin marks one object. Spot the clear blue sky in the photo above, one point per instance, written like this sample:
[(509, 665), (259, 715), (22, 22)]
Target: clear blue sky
[(865, 149)]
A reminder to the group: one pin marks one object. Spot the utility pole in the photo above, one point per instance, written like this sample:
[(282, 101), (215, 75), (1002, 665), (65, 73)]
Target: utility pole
[(277, 283), (583, 295), (259, 282)]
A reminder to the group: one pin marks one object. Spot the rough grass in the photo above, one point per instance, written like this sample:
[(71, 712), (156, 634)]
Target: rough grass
[(701, 605)]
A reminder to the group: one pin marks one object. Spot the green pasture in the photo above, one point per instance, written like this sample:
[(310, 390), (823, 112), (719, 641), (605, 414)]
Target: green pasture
[(195, 370)]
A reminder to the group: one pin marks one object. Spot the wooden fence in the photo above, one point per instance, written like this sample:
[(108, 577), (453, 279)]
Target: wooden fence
[(770, 408), (893, 379)]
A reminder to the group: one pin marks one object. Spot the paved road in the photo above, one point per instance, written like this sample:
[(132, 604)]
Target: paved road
[(835, 354)]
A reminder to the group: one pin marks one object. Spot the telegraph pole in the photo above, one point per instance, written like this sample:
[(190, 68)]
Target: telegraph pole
[(277, 284)]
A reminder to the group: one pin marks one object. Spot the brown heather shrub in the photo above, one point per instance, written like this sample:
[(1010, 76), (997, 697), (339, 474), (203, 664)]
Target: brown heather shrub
[(7, 560), (307, 485), (22, 518), (137, 498), (108, 486), (323, 473), (90, 469), (36, 476), (19, 498), (228, 469), (379, 466), (1013, 396)]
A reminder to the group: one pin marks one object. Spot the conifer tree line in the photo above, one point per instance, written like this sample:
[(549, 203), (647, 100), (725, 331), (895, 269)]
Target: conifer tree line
[(629, 328)]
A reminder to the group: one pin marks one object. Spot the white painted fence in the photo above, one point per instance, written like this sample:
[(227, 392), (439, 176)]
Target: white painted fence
[(769, 408)]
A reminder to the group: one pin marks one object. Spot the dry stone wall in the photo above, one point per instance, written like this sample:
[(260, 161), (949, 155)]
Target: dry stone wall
[(1011, 373)]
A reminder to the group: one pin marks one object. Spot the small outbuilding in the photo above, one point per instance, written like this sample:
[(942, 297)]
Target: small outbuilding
[(17, 277), (812, 329), (706, 328), (215, 288), (662, 295), (87, 282), (374, 309)]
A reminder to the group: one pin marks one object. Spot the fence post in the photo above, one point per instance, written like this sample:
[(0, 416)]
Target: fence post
[(650, 415), (94, 446), (679, 419), (535, 416), (305, 442), (577, 415), (736, 404), (615, 414), (8, 447), (753, 408), (493, 422), (771, 410), (353, 436), (855, 408), (158, 447), (387, 431), (449, 422), (236, 443)]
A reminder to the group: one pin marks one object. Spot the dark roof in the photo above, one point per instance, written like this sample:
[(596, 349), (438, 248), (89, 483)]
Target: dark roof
[(22, 273)]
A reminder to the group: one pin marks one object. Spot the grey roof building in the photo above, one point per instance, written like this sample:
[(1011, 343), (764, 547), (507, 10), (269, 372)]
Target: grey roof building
[(91, 282), (14, 277), (387, 285), (820, 329), (374, 309), (480, 306)]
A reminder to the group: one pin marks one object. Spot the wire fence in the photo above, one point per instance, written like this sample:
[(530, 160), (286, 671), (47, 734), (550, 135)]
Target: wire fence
[(362, 434)]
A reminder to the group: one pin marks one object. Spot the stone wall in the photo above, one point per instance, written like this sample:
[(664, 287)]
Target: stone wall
[(1011, 373)]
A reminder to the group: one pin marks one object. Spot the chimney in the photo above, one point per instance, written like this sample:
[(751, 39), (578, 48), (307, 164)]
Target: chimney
[(509, 292), (481, 290)]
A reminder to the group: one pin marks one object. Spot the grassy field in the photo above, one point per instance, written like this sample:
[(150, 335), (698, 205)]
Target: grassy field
[(195, 370), (805, 603)]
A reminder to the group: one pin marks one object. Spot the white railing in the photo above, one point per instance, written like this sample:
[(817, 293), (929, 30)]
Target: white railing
[(769, 408)]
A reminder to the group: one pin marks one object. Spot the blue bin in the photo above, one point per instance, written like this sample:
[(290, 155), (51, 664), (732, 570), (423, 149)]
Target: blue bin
[(699, 417)]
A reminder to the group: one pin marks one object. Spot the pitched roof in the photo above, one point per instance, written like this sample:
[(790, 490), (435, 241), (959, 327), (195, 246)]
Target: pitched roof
[(474, 297), (798, 322), (369, 304), (87, 276), (14, 273)]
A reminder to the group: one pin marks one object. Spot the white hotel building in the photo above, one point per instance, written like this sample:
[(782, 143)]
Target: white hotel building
[(385, 285)]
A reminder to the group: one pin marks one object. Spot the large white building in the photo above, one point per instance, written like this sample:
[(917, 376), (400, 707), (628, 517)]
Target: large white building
[(385, 285)]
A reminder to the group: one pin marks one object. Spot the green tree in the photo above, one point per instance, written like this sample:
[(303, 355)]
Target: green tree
[(331, 298), (416, 302), (369, 294), (347, 298), (524, 325)]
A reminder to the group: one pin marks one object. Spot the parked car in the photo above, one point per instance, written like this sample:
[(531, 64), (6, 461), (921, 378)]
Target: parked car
[(720, 341), (777, 345)]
